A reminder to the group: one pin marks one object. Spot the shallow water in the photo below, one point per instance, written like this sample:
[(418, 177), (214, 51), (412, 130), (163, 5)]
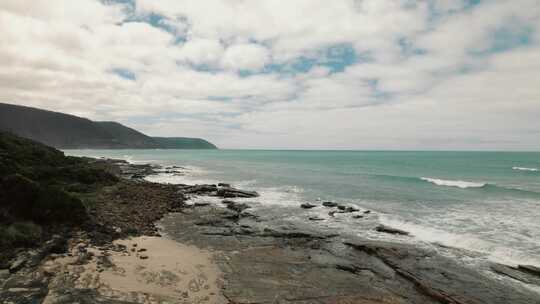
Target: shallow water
[(486, 202)]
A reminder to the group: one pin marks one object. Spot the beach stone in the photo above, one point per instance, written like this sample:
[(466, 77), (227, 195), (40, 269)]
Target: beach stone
[(329, 204), (238, 207), (18, 263), (307, 206), (143, 257), (386, 229), (530, 268), (316, 218), (232, 192), (351, 209)]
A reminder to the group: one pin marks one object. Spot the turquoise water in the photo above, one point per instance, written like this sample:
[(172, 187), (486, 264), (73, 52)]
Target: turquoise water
[(487, 202)]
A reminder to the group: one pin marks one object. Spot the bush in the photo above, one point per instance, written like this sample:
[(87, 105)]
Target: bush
[(20, 234), (28, 200)]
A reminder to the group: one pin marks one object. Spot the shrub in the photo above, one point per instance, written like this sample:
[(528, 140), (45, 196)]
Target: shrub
[(20, 234)]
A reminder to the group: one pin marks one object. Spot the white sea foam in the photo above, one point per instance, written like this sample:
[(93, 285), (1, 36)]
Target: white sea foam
[(453, 183), (525, 169), (490, 249), (186, 175)]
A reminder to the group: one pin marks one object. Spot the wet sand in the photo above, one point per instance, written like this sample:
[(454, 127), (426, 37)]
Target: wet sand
[(146, 270)]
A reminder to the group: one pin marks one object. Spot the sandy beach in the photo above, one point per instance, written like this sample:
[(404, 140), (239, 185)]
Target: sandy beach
[(144, 270)]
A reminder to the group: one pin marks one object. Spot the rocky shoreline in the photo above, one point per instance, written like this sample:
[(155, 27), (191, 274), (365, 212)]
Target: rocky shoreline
[(260, 259)]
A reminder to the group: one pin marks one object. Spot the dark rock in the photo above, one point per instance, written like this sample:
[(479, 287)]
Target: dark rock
[(4, 274), (530, 268), (351, 209), (515, 273), (232, 192), (228, 202), (201, 204), (386, 229), (18, 263), (329, 204), (224, 185), (143, 257), (341, 207), (307, 206), (138, 176), (367, 211), (200, 189), (441, 279), (358, 216), (238, 207), (316, 218)]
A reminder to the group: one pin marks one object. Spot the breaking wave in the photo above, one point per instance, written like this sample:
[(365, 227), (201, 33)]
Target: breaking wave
[(453, 183), (525, 169)]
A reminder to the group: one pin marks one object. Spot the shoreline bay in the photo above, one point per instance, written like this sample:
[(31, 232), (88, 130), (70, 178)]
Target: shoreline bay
[(260, 260)]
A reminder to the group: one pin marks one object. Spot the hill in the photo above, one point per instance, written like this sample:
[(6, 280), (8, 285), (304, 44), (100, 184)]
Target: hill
[(183, 143), (66, 131)]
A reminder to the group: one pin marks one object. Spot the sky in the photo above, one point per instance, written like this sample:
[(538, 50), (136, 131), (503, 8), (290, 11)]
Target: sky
[(297, 74)]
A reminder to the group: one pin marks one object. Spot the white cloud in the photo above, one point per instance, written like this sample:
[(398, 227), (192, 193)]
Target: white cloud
[(421, 80), (245, 57)]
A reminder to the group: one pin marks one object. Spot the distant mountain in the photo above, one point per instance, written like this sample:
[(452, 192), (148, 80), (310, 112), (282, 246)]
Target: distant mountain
[(72, 132), (183, 143)]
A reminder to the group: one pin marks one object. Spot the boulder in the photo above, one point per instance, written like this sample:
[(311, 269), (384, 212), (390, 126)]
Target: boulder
[(351, 209), (515, 273), (18, 263), (329, 204), (307, 206), (237, 207), (530, 269), (386, 229), (232, 192), (224, 185), (200, 189)]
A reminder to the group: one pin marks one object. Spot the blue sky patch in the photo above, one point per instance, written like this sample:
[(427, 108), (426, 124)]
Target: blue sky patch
[(124, 73)]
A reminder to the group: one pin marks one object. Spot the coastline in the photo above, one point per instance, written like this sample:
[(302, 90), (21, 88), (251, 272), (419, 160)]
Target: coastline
[(259, 260)]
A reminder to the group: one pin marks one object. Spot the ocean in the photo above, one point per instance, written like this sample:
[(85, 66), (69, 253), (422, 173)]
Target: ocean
[(484, 203)]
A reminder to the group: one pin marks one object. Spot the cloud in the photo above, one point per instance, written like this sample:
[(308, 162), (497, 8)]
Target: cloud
[(381, 74), (245, 57)]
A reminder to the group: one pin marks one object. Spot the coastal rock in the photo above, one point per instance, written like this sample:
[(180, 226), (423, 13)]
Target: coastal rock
[(386, 229), (515, 273), (530, 268), (201, 204), (200, 189), (351, 209), (18, 263), (440, 278), (329, 204), (316, 218), (357, 216), (307, 206), (237, 207), (233, 192), (224, 185)]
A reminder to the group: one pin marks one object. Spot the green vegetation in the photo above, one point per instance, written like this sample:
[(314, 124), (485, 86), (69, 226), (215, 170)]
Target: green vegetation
[(183, 143), (40, 189), (71, 132)]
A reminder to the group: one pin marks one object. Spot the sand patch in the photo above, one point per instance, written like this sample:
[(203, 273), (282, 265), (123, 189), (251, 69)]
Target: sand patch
[(147, 270)]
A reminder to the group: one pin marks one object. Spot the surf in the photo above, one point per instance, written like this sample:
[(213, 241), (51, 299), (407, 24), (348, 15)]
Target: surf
[(454, 183)]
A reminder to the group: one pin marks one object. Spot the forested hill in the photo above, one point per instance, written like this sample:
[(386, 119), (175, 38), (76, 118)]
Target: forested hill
[(66, 131)]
